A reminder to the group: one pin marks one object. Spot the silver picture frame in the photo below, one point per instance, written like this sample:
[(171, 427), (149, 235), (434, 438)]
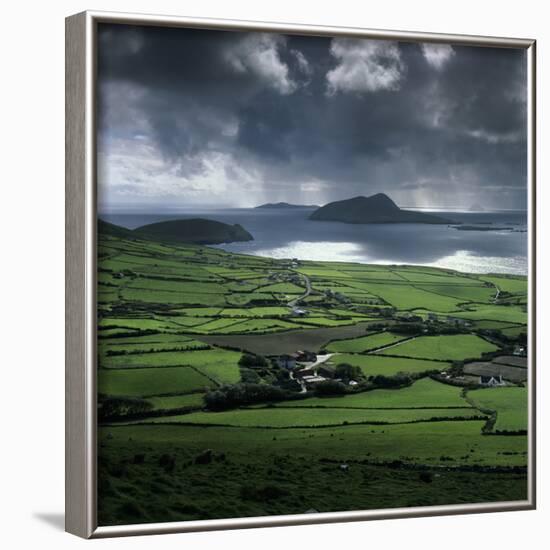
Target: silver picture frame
[(80, 365)]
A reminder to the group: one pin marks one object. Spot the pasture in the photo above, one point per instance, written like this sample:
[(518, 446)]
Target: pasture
[(148, 382), (372, 365), (510, 405), (303, 417), (443, 347)]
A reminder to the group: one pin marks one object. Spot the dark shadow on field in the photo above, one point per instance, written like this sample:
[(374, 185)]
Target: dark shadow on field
[(287, 342), (55, 520)]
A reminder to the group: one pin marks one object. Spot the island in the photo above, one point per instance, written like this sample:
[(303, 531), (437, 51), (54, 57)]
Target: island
[(273, 205), (188, 231), (482, 228), (377, 208)]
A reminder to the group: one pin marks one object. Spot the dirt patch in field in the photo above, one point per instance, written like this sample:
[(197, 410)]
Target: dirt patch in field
[(511, 360), (287, 342), (482, 368)]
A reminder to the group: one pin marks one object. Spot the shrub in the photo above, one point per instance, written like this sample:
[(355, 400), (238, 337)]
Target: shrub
[(248, 376), (382, 381), (249, 360), (426, 477), (267, 492), (168, 462), (236, 395), (330, 387), (111, 408), (348, 372)]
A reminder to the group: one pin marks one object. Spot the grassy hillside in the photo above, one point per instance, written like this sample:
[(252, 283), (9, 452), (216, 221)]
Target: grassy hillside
[(184, 329)]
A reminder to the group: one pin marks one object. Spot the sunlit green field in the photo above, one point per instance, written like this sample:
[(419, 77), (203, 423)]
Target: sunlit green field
[(372, 365), (444, 347)]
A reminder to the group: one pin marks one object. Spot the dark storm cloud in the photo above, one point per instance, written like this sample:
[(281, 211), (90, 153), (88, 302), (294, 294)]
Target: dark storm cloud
[(287, 118)]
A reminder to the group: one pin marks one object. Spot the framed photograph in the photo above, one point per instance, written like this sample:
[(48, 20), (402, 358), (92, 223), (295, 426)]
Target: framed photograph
[(300, 277)]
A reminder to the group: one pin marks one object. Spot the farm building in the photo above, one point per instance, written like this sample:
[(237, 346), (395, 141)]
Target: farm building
[(299, 312), (302, 373), (312, 380), (491, 381), (286, 361), (457, 322), (305, 356)]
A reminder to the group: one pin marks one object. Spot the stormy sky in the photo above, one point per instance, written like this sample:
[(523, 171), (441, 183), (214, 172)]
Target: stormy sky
[(195, 118)]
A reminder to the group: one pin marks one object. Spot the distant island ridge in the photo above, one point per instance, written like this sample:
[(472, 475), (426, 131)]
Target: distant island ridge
[(189, 231), (377, 208), (269, 205)]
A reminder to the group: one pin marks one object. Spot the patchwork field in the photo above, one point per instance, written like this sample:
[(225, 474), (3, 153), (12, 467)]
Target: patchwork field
[(306, 418), (205, 410), (444, 347), (373, 365), (510, 405)]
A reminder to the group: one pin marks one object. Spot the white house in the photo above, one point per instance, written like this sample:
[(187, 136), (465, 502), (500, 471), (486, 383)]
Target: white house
[(491, 381)]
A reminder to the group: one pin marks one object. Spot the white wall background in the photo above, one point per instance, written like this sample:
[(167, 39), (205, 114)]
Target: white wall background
[(32, 233)]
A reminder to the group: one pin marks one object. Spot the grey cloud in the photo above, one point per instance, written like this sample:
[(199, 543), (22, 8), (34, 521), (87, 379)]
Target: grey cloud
[(364, 66), (437, 55), (253, 110)]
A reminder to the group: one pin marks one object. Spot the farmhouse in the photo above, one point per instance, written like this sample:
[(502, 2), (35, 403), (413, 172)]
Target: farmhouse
[(305, 356), (286, 361), (491, 381), (298, 312), (303, 373), (312, 380), (457, 322)]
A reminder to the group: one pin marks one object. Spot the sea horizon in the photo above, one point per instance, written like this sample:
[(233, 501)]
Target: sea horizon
[(288, 233)]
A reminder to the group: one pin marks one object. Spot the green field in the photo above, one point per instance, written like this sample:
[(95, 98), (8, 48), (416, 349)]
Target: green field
[(304, 417), (371, 365), (444, 347), (152, 381), (511, 314), (258, 472), (181, 326), (201, 358), (510, 405), (191, 400)]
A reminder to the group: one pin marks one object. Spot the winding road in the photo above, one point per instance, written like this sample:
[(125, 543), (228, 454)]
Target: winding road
[(296, 301)]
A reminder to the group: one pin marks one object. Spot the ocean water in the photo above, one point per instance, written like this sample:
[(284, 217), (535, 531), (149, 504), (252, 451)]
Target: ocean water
[(287, 233)]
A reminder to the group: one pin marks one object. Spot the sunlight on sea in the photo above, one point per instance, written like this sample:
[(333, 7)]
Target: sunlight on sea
[(463, 260), (322, 251), (325, 251)]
